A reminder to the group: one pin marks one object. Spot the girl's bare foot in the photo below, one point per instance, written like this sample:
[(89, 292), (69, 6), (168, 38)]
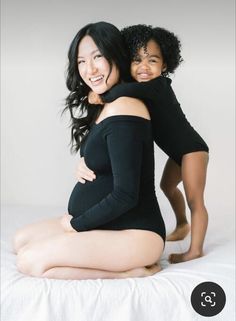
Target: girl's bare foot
[(180, 232), (184, 257), (143, 271)]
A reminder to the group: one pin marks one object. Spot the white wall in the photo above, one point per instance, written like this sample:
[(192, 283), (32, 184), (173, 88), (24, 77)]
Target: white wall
[(37, 168)]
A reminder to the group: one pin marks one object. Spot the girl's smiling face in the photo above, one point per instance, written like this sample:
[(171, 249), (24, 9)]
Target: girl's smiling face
[(148, 63), (94, 68)]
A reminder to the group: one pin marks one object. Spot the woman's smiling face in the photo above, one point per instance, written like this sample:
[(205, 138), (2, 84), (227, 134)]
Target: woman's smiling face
[(94, 68), (148, 63)]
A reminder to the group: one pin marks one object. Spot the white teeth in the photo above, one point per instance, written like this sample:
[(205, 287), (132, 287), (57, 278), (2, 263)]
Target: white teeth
[(144, 75), (96, 78)]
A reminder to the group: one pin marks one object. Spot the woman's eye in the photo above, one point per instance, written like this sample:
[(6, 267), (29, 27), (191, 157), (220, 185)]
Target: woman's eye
[(98, 56), (80, 62)]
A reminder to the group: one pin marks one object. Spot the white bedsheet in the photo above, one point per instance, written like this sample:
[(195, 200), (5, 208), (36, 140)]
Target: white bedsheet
[(162, 297)]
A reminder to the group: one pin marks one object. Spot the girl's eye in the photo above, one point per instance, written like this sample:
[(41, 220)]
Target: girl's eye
[(136, 61), (80, 62), (153, 60)]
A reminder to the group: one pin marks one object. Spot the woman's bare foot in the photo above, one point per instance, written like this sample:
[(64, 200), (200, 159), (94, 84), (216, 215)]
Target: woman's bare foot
[(180, 232), (184, 257), (143, 271)]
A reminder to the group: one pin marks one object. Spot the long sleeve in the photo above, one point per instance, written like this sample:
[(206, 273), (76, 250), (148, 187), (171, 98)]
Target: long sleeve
[(140, 90), (124, 139)]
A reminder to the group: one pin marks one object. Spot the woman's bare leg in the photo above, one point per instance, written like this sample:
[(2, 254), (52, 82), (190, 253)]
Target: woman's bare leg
[(194, 168), (170, 179), (93, 254), (70, 273), (36, 231)]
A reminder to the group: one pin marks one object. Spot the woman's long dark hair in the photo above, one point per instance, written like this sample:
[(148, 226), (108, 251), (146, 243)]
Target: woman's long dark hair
[(111, 45)]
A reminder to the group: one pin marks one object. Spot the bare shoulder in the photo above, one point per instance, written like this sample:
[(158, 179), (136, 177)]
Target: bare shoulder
[(127, 106)]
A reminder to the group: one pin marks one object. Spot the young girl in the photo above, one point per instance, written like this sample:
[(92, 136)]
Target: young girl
[(155, 53), (113, 228)]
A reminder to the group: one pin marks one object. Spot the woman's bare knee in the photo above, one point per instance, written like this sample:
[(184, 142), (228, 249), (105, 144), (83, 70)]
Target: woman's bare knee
[(27, 262), (19, 240), (36, 231)]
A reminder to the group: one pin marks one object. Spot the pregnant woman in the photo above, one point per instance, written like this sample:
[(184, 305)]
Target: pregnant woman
[(113, 228)]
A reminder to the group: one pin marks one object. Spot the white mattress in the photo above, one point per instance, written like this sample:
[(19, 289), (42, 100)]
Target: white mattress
[(164, 296)]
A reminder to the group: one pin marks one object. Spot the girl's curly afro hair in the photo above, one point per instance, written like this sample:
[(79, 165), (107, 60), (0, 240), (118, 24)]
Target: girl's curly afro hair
[(137, 37)]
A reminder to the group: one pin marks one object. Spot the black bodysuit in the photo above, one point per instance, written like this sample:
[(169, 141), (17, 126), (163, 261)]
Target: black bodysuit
[(171, 130), (119, 150)]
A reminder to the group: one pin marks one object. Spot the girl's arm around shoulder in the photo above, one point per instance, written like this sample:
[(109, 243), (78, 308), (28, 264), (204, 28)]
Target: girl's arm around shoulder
[(126, 106)]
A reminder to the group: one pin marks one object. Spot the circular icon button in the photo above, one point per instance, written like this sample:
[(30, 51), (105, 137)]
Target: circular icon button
[(208, 299)]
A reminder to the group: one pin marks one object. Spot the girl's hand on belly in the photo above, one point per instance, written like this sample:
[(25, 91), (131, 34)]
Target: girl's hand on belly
[(65, 222), (83, 173)]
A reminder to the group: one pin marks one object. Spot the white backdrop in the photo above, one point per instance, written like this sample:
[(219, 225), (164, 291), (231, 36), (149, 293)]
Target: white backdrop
[(37, 167)]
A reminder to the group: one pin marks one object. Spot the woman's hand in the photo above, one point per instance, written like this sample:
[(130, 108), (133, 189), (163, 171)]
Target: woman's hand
[(65, 223), (94, 98), (83, 173)]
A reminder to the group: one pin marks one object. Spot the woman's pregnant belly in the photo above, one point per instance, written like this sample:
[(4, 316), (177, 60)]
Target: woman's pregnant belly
[(84, 196)]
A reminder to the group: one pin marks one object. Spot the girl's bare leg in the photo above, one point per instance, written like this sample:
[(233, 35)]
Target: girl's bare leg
[(170, 179), (36, 231), (194, 168)]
